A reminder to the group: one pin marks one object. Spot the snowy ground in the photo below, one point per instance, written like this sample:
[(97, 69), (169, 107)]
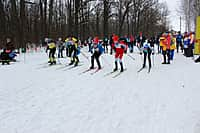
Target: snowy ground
[(39, 99)]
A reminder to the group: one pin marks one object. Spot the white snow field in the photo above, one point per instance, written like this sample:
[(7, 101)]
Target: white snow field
[(36, 98)]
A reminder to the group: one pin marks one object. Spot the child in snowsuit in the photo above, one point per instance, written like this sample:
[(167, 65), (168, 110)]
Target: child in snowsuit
[(119, 48), (52, 50), (98, 50)]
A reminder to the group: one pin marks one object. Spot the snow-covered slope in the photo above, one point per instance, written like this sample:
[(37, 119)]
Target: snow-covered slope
[(35, 98)]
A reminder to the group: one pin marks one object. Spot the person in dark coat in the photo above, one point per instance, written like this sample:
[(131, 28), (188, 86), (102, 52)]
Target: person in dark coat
[(4, 57), (179, 40)]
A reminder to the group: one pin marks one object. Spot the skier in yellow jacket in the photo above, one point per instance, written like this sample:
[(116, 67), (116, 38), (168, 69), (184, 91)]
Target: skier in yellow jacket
[(172, 47), (75, 51), (51, 46)]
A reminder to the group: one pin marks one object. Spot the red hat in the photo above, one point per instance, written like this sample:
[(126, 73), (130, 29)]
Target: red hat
[(191, 33), (96, 40), (115, 39), (122, 42)]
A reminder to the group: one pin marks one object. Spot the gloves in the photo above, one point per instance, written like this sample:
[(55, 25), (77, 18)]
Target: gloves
[(153, 53), (140, 53)]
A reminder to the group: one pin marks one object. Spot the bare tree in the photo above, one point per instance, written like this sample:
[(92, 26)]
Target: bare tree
[(190, 9), (37, 19)]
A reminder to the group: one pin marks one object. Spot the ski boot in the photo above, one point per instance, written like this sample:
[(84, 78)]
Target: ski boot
[(71, 63), (92, 67), (122, 68), (116, 67), (76, 64)]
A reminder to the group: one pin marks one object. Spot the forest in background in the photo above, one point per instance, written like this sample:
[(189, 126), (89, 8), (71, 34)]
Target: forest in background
[(32, 20)]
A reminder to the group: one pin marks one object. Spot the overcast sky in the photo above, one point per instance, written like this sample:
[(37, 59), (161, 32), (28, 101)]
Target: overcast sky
[(173, 6)]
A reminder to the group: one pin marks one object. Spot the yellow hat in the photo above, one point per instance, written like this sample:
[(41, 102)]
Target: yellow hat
[(67, 39), (74, 39)]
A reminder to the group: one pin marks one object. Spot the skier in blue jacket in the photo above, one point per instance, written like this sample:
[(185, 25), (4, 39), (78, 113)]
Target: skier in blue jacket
[(98, 50), (179, 40)]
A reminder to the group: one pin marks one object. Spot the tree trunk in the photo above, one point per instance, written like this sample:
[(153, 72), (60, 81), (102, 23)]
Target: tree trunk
[(14, 23), (42, 23), (77, 6), (45, 18), (22, 24), (105, 17), (121, 23), (69, 17), (128, 25), (50, 17), (97, 23), (2, 22)]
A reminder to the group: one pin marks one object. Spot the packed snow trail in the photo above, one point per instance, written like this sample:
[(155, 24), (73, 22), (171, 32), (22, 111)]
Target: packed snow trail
[(50, 100)]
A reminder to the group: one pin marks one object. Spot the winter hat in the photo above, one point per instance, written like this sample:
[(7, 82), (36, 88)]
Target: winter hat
[(96, 40), (74, 39), (115, 39), (122, 42)]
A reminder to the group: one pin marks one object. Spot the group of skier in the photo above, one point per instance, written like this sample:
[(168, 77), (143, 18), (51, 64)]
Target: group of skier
[(167, 43), (72, 50), (97, 47)]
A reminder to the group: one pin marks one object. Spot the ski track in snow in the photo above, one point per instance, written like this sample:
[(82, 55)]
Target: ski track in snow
[(52, 100)]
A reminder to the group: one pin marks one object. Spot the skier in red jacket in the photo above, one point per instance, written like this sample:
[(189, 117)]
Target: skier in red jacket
[(119, 47)]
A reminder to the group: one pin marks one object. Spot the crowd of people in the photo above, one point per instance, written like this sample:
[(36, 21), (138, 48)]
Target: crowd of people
[(167, 43)]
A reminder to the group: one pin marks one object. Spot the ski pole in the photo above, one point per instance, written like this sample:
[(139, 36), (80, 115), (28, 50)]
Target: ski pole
[(153, 59), (56, 56), (140, 49), (153, 56), (106, 61), (85, 56), (131, 57), (58, 60)]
